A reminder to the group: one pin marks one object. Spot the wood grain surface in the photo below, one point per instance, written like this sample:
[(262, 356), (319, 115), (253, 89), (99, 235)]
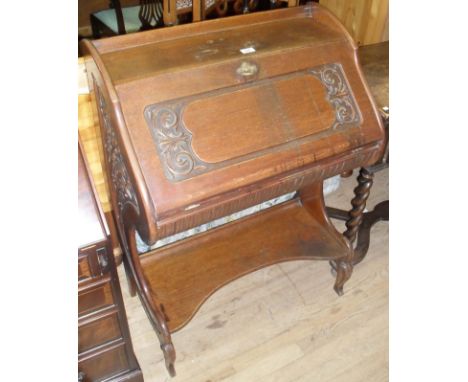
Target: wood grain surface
[(375, 64), (104, 345), (231, 251), (159, 183), (284, 323), (373, 58), (366, 20), (158, 66), (250, 119)]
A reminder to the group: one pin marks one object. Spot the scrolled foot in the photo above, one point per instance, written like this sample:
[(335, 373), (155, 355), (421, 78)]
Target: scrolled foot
[(344, 270), (169, 357), (171, 369)]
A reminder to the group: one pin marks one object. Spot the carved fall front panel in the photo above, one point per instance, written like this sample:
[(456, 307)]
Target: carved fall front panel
[(197, 134)]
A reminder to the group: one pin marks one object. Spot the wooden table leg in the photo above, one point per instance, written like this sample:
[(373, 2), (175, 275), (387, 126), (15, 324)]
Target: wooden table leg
[(380, 212), (358, 222), (361, 193)]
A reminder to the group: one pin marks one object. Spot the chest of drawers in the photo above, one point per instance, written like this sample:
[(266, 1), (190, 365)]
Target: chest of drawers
[(104, 347)]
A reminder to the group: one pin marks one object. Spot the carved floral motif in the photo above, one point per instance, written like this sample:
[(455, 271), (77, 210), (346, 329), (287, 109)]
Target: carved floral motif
[(118, 171), (174, 141), (338, 94), (175, 144)]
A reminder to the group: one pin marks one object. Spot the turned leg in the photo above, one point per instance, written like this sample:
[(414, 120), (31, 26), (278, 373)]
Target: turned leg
[(344, 268), (361, 193), (380, 212), (312, 199)]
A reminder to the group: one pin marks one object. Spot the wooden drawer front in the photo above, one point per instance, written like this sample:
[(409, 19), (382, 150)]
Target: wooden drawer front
[(98, 331), (105, 364), (84, 269), (95, 298), (93, 262)]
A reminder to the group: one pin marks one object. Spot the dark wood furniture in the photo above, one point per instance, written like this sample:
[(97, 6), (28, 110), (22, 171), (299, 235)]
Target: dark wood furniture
[(151, 14), (121, 20), (207, 119), (374, 62), (104, 347)]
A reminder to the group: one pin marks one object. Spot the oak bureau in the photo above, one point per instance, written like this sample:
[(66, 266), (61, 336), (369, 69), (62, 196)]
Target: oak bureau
[(204, 120)]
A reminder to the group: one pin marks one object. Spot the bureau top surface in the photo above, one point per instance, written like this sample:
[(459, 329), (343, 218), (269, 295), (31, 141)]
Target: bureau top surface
[(161, 51)]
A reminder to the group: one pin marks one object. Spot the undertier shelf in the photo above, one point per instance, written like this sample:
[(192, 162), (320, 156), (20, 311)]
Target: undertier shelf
[(184, 274)]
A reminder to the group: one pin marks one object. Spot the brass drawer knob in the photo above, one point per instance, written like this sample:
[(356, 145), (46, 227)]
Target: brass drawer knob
[(247, 69)]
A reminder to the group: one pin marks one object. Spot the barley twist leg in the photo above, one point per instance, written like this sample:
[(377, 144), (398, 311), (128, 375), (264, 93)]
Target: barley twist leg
[(343, 269), (361, 193)]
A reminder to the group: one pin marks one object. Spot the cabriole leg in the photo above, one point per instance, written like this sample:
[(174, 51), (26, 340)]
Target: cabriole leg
[(130, 281), (152, 308)]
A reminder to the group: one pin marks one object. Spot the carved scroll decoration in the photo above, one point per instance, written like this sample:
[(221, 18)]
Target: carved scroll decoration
[(338, 94), (126, 196), (118, 171), (174, 141)]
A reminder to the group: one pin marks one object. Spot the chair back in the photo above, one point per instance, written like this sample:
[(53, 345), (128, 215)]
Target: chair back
[(151, 14)]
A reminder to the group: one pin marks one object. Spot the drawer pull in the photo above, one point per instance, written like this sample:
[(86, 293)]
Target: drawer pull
[(103, 260), (81, 376), (247, 69)]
